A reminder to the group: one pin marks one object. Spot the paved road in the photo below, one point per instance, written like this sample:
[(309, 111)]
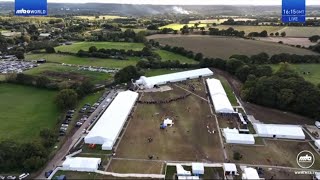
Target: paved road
[(72, 139)]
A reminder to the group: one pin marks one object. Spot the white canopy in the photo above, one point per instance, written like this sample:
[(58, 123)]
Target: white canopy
[(317, 143), (234, 138), (197, 168), (229, 167), (250, 173), (167, 122), (228, 130), (81, 164), (219, 97), (150, 82), (108, 127), (181, 171), (279, 131), (188, 177)]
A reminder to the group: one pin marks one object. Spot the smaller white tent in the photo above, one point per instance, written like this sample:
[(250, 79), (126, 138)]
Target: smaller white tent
[(81, 164), (317, 143), (181, 171), (233, 138), (228, 130), (230, 168), (279, 131), (167, 122), (250, 173), (197, 168)]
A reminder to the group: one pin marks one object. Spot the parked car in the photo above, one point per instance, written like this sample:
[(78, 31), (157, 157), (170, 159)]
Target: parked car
[(2, 177), (48, 173), (317, 123), (64, 125), (11, 177), (62, 133), (23, 176), (78, 124)]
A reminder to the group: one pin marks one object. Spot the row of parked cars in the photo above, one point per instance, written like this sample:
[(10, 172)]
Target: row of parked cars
[(65, 124), (15, 66), (21, 176)]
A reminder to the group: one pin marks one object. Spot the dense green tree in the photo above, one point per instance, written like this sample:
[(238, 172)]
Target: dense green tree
[(126, 74), (42, 81), (66, 99), (233, 64), (50, 50)]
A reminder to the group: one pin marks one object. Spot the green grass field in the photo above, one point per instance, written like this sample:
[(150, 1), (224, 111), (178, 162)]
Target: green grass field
[(66, 73), (75, 47), (166, 55), (228, 89), (313, 77), (111, 63), (25, 111), (157, 72)]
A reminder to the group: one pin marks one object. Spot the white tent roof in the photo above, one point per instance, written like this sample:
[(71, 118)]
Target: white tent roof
[(281, 131), (239, 138), (317, 143), (219, 97), (229, 167), (181, 171), (188, 177), (250, 173), (228, 130), (149, 82), (167, 121), (197, 168), (108, 127), (81, 164)]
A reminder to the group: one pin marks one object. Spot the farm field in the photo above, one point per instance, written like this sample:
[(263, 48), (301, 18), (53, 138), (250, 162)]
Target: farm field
[(276, 152), (75, 47), (135, 30), (59, 73), (301, 31), (187, 140), (103, 17), (129, 166), (68, 59), (248, 29), (28, 19), (302, 70), (166, 55), (218, 21), (288, 40), (176, 26), (224, 47), (25, 111)]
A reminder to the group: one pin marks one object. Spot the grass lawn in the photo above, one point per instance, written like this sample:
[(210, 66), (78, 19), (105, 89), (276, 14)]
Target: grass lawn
[(166, 55), (25, 111), (228, 89), (110, 63), (64, 73), (313, 77), (143, 167), (157, 72), (135, 30), (75, 47)]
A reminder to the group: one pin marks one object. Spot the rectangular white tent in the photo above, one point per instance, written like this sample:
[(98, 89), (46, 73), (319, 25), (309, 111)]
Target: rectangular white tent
[(197, 168), (230, 168), (250, 173), (81, 164), (279, 131), (317, 143), (150, 82), (219, 97), (108, 127), (181, 171), (233, 138)]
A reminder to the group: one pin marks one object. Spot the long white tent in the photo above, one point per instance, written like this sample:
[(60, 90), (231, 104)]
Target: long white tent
[(150, 82), (108, 127), (219, 97), (81, 164), (234, 138), (279, 131)]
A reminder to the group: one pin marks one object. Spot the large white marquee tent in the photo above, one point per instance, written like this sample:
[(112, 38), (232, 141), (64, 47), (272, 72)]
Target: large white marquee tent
[(150, 82), (108, 127), (236, 138), (219, 97), (250, 173), (279, 131), (81, 164)]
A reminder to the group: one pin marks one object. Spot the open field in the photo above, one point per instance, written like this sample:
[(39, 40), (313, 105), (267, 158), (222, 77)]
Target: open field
[(218, 21), (106, 17), (29, 19), (224, 47), (75, 47), (59, 73), (68, 59), (229, 91), (301, 31), (303, 69), (209, 173), (176, 26), (283, 174), (25, 111), (157, 72), (166, 55), (288, 40), (276, 152), (128, 166), (188, 139), (248, 29)]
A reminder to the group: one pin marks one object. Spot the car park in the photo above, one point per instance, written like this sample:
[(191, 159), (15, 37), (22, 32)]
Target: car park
[(11, 177)]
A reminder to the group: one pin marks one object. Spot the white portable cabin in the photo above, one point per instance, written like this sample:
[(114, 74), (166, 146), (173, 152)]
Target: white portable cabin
[(279, 131), (81, 164), (250, 173), (230, 169), (108, 127), (150, 82), (317, 143), (181, 171), (197, 168)]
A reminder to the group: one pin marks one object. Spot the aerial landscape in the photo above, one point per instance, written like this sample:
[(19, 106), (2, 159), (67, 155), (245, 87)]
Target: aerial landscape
[(159, 90)]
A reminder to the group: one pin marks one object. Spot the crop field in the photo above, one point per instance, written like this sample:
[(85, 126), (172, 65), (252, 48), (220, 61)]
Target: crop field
[(68, 59), (103, 17), (176, 26), (301, 31), (309, 72), (288, 40), (224, 47), (166, 55), (189, 139), (248, 29), (218, 21), (75, 47), (276, 152), (60, 73), (25, 111)]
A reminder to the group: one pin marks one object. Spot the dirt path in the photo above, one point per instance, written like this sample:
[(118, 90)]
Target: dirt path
[(264, 114)]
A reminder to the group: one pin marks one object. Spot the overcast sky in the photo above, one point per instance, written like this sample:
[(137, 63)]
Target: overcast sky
[(186, 2)]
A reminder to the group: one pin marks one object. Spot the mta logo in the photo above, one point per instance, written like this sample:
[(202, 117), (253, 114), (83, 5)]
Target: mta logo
[(305, 158), (31, 7)]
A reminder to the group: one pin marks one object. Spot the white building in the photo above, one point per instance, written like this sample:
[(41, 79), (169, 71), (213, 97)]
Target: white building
[(81, 164), (150, 82), (233, 138), (108, 127), (250, 173), (197, 168), (317, 143), (230, 169), (219, 97), (279, 131), (181, 171)]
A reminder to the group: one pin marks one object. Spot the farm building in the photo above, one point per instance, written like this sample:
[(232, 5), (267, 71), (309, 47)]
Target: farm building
[(81, 164), (150, 82), (317, 143), (250, 173), (197, 168), (229, 169), (219, 97), (279, 131), (109, 126)]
